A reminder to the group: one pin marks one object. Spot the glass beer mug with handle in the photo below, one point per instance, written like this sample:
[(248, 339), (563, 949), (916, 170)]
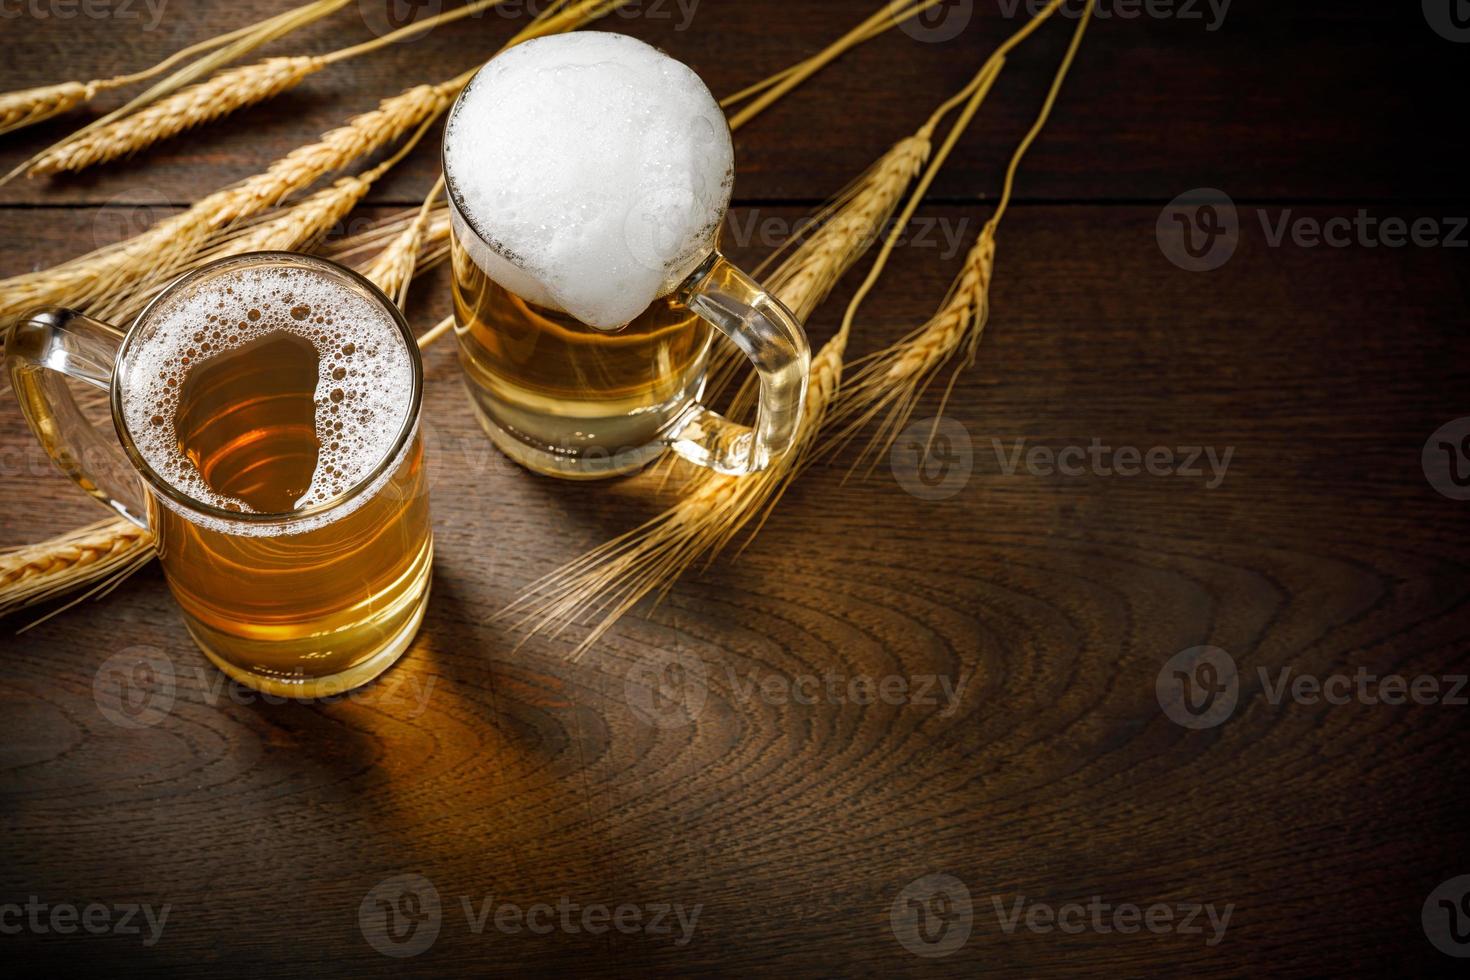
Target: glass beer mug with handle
[(267, 407), (588, 176)]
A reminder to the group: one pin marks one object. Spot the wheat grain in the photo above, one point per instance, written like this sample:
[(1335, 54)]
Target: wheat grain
[(610, 580), (392, 269), (607, 582), (29, 106), (196, 105), (891, 381), (168, 246), (97, 552)]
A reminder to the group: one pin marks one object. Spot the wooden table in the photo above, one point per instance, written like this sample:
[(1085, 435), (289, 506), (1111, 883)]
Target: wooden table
[(885, 686)]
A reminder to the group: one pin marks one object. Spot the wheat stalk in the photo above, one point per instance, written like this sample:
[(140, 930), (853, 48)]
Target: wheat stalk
[(103, 552), (62, 564), (775, 86), (171, 244), (610, 580), (28, 106), (222, 94), (392, 269), (433, 243), (891, 381), (32, 105), (196, 105)]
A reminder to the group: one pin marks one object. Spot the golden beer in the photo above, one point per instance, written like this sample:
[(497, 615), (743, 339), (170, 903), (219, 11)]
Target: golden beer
[(270, 403), (541, 378), (315, 604), (588, 175)]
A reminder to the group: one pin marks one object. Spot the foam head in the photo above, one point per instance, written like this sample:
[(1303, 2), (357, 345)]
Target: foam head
[(592, 170), (363, 387)]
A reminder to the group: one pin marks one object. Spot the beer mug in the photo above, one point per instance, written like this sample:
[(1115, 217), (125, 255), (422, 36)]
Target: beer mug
[(588, 175), (267, 407)]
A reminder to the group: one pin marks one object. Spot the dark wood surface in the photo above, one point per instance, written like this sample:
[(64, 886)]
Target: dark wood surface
[(504, 773)]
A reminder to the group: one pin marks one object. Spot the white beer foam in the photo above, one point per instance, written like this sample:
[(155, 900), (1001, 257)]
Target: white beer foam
[(364, 376), (596, 168)]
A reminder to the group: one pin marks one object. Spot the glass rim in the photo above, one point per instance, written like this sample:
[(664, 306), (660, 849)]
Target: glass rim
[(172, 493)]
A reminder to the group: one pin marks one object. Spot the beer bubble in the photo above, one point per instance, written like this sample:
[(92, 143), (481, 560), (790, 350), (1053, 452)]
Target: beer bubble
[(255, 302)]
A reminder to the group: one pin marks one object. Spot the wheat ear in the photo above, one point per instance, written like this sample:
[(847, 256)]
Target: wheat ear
[(295, 227), (96, 553), (171, 243), (222, 94), (196, 105), (889, 383), (168, 246), (845, 229), (610, 580), (29, 106), (392, 269)]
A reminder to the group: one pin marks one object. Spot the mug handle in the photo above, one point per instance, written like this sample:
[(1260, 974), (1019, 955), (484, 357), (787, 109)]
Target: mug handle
[(767, 332), (43, 350)]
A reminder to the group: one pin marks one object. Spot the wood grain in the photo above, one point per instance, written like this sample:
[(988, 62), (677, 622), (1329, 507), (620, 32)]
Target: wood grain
[(1325, 101), (496, 768)]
